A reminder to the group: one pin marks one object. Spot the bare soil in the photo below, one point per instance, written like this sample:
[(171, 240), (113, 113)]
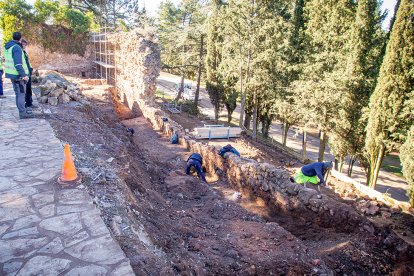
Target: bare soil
[(171, 224)]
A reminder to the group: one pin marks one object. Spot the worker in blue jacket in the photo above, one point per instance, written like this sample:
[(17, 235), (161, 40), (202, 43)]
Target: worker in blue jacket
[(195, 161), (16, 69), (313, 173)]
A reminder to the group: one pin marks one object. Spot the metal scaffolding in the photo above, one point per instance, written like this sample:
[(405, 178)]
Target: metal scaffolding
[(104, 55)]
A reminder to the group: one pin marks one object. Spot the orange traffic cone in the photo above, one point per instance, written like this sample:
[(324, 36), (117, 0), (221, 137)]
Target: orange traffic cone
[(69, 175)]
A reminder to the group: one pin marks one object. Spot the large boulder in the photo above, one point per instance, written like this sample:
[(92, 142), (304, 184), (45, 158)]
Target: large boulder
[(42, 99), (56, 93), (53, 100), (64, 98)]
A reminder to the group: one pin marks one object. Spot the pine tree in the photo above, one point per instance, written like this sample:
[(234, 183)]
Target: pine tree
[(391, 104), (365, 48), (407, 160)]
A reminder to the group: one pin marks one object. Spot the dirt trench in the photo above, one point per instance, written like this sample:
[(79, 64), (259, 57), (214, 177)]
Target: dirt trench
[(172, 224)]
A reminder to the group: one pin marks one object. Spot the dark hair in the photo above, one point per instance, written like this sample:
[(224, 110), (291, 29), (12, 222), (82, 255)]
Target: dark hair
[(25, 41), (17, 36)]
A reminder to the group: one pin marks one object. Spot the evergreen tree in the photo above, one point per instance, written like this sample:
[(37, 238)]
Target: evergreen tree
[(407, 160), (365, 48), (327, 29), (287, 105), (181, 31), (391, 104), (213, 59)]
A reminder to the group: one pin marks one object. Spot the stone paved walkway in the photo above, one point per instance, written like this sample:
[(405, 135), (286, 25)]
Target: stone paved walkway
[(44, 229)]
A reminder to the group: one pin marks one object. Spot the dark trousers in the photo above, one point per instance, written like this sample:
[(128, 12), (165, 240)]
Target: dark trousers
[(28, 97), (1, 82), (19, 87), (196, 164)]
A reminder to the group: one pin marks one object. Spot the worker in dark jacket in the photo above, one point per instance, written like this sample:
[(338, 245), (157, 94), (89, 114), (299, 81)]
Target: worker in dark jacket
[(195, 161), (313, 173), (228, 148), (29, 93), (15, 67)]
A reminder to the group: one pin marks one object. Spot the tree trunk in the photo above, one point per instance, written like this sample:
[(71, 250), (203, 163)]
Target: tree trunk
[(351, 165), (322, 146), (376, 167), (216, 113), (247, 120), (304, 142), (341, 164), (180, 91), (200, 67), (243, 99), (229, 115), (286, 127), (266, 127), (255, 115), (322, 136)]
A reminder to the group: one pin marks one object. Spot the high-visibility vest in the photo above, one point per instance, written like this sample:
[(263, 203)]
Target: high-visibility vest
[(9, 67)]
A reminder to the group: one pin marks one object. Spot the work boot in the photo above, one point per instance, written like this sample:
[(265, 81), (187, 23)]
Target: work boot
[(25, 115), (33, 106), (30, 108)]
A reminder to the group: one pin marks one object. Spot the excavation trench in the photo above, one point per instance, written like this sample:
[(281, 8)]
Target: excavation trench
[(169, 223), (346, 247)]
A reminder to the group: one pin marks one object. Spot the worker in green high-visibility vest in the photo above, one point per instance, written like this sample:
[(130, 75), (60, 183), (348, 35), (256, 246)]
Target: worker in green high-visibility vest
[(15, 68)]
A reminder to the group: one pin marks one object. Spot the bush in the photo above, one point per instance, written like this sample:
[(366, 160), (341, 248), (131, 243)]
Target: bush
[(68, 34), (189, 107)]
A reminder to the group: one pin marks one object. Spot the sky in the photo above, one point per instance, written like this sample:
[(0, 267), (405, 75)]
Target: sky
[(152, 6)]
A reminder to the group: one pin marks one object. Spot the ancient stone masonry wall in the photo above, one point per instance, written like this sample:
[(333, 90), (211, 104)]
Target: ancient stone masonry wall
[(138, 64)]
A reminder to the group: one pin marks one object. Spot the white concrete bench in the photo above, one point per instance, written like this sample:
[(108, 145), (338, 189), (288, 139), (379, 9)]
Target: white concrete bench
[(217, 132)]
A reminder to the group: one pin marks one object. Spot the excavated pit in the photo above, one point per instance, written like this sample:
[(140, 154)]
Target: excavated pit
[(172, 224)]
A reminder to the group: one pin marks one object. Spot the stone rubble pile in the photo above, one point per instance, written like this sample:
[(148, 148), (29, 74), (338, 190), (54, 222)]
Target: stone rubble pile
[(55, 89)]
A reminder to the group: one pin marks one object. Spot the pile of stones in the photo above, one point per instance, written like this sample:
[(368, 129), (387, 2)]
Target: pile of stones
[(55, 89)]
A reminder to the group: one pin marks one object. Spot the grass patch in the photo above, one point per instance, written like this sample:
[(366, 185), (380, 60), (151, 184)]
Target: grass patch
[(163, 95), (393, 169)]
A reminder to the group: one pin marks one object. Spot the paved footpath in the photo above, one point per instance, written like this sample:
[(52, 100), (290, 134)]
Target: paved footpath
[(44, 229)]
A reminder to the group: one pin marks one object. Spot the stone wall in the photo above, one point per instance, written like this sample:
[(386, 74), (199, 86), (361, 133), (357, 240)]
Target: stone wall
[(63, 63), (138, 64), (261, 180)]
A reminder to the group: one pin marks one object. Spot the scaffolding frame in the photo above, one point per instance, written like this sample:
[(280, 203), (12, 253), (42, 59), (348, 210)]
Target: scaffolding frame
[(104, 55)]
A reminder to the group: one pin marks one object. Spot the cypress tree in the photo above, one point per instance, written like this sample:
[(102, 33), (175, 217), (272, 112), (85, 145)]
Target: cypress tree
[(407, 160), (391, 104), (328, 23), (365, 48)]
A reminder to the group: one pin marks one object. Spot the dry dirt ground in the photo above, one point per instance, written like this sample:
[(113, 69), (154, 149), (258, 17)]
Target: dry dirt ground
[(172, 224)]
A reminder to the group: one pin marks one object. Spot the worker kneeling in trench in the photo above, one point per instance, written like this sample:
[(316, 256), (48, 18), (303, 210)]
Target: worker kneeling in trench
[(195, 161), (311, 172)]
